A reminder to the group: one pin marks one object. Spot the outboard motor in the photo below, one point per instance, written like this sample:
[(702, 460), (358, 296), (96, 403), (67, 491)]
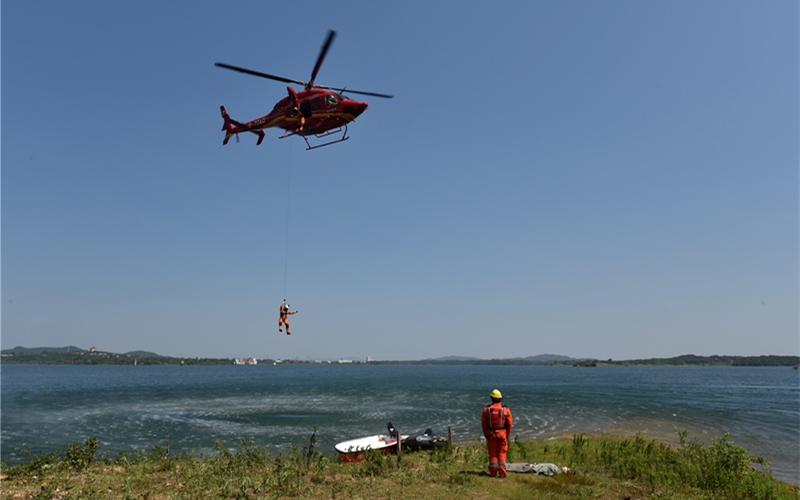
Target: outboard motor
[(427, 441)]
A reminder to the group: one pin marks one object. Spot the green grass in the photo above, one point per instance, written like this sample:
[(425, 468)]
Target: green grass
[(604, 468)]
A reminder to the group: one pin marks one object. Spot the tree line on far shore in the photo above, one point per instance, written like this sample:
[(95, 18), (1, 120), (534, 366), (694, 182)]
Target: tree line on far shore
[(81, 357), (693, 360), (76, 356)]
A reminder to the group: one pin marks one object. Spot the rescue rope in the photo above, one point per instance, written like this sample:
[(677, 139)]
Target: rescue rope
[(286, 256)]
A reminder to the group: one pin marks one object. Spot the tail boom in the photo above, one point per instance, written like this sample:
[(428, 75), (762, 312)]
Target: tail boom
[(232, 127)]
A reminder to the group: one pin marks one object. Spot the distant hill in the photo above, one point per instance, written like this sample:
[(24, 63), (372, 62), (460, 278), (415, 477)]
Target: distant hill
[(455, 358), (539, 358), (548, 358), (43, 350), (141, 354), (72, 355), (19, 350)]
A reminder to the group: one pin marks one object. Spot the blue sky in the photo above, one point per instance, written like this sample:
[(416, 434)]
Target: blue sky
[(595, 179)]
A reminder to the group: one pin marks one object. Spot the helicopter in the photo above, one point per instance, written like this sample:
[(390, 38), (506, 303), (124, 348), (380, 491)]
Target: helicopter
[(314, 111)]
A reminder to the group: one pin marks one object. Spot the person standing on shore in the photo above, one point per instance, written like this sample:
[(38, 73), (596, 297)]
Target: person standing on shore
[(284, 319), (497, 422)]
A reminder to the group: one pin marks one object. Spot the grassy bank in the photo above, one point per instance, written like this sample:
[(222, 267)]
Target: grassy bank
[(604, 468)]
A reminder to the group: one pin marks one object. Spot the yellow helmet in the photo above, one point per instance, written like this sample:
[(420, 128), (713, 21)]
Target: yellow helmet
[(496, 394)]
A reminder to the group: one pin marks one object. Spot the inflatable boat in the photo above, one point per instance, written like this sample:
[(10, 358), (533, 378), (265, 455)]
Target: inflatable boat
[(354, 450)]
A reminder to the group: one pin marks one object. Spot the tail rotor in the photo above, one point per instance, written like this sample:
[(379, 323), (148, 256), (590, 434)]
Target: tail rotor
[(232, 127), (227, 126)]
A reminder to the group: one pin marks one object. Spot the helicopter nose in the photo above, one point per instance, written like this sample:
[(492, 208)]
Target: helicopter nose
[(362, 106), (356, 108)]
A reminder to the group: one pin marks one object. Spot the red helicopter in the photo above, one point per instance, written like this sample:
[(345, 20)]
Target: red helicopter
[(316, 110)]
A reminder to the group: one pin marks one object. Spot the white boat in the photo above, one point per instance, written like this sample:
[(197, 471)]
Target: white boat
[(354, 449)]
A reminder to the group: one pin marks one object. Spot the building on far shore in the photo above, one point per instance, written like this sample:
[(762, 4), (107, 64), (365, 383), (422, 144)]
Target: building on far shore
[(245, 361)]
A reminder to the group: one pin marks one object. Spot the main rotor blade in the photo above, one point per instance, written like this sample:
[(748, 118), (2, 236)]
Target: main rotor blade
[(258, 73), (351, 91), (322, 53)]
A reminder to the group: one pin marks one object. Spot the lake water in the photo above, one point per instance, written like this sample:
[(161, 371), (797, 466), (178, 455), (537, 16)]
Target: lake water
[(44, 408)]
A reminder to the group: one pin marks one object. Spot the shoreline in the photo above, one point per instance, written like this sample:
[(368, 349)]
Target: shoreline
[(621, 432), (602, 468)]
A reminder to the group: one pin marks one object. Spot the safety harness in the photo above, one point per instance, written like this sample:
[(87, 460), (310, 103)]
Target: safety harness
[(496, 417)]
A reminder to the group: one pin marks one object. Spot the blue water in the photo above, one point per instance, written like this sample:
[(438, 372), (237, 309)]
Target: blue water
[(44, 408)]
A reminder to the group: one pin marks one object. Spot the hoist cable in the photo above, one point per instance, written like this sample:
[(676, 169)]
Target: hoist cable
[(286, 255)]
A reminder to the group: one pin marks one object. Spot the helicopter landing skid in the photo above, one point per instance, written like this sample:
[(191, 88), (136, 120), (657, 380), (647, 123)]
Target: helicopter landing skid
[(320, 136)]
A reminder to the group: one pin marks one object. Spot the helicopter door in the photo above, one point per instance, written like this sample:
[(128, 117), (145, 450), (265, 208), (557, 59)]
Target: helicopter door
[(305, 108)]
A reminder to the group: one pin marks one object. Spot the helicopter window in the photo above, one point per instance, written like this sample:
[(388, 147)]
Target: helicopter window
[(331, 100), (316, 103)]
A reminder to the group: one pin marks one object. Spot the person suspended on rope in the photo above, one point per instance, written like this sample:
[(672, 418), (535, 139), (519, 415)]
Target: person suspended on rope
[(284, 319)]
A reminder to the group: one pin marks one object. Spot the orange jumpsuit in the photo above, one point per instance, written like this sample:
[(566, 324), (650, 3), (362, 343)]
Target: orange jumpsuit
[(497, 422), (284, 319), (294, 108)]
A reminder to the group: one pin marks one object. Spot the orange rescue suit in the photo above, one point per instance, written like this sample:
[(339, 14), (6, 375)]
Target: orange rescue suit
[(497, 422)]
